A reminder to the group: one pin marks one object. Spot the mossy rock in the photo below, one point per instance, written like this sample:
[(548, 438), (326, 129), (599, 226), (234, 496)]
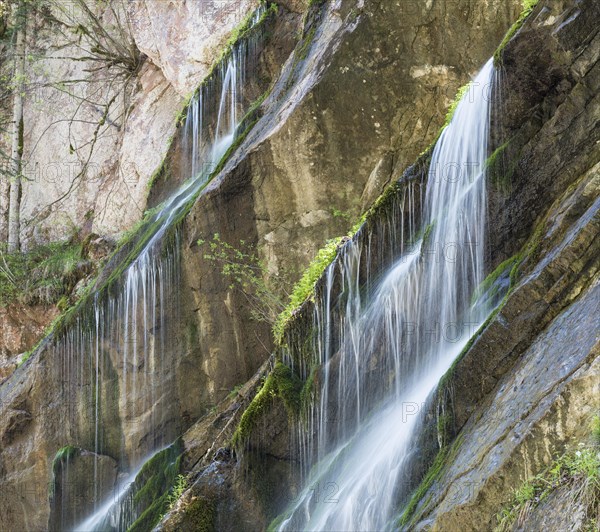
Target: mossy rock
[(282, 383), (153, 485)]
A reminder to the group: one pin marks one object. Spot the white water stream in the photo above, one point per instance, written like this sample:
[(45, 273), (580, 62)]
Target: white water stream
[(398, 341)]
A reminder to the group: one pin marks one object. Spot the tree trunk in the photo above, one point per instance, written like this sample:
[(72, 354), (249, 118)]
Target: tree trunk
[(14, 219)]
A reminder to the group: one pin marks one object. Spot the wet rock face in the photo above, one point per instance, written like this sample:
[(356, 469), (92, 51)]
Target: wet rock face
[(527, 390), (74, 491), (104, 189), (543, 97), (364, 94)]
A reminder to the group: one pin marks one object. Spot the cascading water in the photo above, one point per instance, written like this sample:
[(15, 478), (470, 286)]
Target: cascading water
[(383, 353), (115, 371)]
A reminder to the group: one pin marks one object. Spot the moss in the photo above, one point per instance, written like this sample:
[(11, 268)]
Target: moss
[(444, 456), (63, 455), (280, 383), (276, 523), (500, 168), (444, 423), (309, 387), (162, 172), (244, 31), (507, 266), (309, 30), (452, 109), (529, 251), (426, 237), (154, 485), (200, 515), (302, 52), (528, 7), (305, 286)]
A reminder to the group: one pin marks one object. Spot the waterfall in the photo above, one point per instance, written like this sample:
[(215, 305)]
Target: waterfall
[(384, 349), (118, 355)]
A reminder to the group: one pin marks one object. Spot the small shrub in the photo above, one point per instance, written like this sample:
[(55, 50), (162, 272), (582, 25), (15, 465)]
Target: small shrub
[(245, 272)]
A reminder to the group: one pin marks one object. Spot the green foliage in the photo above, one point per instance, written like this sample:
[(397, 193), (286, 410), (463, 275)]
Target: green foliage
[(247, 273), (579, 471), (235, 392), (281, 383), (528, 7), (596, 429), (180, 485), (336, 213), (42, 275), (305, 286)]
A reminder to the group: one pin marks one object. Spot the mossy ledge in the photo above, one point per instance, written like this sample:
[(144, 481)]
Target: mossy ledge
[(304, 290), (281, 383), (63, 455), (528, 7), (153, 485)]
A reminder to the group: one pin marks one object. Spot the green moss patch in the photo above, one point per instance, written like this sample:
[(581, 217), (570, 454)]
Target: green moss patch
[(281, 383), (459, 96), (500, 167), (154, 485), (490, 282), (200, 514), (63, 455), (305, 286), (444, 456), (528, 7)]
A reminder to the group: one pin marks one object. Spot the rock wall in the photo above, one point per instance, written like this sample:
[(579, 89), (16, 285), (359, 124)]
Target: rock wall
[(527, 388), (364, 92), (356, 103)]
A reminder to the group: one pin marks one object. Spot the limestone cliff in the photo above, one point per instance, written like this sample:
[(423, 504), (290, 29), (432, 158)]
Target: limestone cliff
[(345, 98), (527, 389)]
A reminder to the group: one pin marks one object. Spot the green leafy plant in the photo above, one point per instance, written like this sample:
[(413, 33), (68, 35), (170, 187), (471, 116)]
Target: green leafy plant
[(246, 272), (234, 393), (180, 485), (579, 471)]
